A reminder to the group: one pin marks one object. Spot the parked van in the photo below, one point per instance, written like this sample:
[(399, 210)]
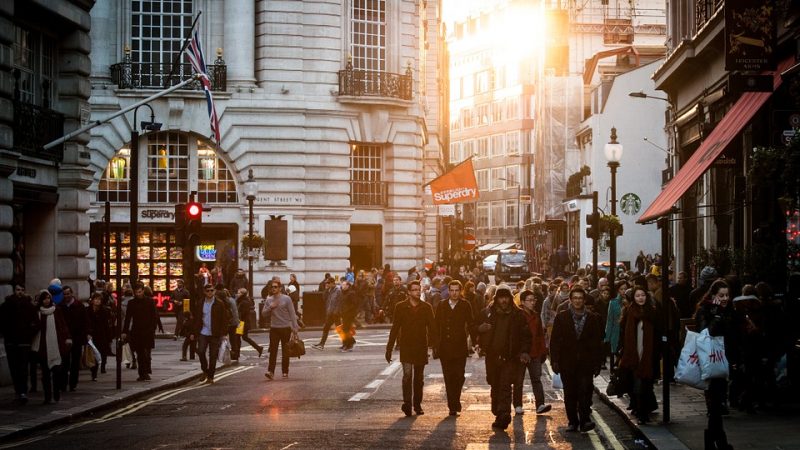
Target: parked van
[(512, 265)]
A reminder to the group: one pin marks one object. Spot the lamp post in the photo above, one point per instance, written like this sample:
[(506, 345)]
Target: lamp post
[(641, 94), (613, 153), (250, 189)]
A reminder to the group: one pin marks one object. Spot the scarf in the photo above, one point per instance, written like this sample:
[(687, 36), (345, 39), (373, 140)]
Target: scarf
[(580, 321), (638, 340), (52, 353)]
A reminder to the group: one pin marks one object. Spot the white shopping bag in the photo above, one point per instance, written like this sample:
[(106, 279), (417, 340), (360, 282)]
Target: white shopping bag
[(688, 371), (224, 351), (711, 352), (97, 356), (557, 384)]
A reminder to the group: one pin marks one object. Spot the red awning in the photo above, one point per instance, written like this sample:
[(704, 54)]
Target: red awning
[(726, 130)]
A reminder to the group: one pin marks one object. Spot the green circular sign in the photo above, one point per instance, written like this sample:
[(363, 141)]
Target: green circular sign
[(630, 203)]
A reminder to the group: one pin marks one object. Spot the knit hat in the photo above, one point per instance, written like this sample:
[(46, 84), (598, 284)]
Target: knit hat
[(481, 287), (707, 275), (503, 287)]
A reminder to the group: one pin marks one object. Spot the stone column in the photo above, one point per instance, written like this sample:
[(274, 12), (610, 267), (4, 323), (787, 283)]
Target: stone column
[(75, 174), (8, 160), (239, 39)]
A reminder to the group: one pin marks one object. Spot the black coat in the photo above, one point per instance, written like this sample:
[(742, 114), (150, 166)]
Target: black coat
[(416, 331), (219, 318), (144, 318), (19, 320), (572, 355), (77, 318), (519, 335), (247, 311), (453, 325), (100, 328)]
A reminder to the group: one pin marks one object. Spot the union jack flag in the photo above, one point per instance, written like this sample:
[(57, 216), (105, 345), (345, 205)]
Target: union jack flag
[(197, 58)]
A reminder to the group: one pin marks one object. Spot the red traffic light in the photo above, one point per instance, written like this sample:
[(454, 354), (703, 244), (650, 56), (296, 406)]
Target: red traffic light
[(194, 210)]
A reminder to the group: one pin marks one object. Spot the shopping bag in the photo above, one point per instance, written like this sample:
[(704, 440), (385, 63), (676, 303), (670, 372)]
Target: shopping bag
[(224, 356), (296, 347), (240, 328), (711, 352), (557, 383), (688, 371), (620, 382), (95, 351), (87, 358), (127, 354)]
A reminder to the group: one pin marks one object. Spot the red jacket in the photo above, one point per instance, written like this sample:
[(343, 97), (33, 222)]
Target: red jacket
[(538, 348)]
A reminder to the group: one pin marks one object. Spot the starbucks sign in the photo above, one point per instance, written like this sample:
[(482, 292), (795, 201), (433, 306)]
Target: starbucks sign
[(630, 203)]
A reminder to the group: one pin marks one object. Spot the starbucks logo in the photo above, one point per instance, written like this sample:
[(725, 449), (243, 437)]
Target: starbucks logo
[(630, 203)]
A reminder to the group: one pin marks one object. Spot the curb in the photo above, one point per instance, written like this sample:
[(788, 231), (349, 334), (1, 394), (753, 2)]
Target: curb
[(657, 435), (104, 402)]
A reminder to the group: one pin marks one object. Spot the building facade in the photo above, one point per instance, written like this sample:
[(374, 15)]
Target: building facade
[(322, 100)]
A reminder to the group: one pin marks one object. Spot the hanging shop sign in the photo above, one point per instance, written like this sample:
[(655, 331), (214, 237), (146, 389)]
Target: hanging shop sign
[(750, 35)]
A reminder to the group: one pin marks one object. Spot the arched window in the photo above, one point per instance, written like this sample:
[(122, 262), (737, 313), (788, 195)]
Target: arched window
[(176, 163)]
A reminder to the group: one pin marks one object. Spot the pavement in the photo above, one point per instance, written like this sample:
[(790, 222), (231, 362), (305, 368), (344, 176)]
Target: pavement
[(776, 428)]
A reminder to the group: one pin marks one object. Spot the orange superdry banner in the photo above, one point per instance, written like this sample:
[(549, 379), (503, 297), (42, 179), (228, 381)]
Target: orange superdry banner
[(456, 186)]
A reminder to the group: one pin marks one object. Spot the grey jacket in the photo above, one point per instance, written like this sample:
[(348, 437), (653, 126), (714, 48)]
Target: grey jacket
[(333, 300)]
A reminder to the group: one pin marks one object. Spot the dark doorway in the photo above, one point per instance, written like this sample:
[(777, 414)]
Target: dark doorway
[(365, 246)]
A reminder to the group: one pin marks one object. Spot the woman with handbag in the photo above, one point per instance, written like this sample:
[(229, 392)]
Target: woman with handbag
[(100, 331), (715, 313), (639, 352)]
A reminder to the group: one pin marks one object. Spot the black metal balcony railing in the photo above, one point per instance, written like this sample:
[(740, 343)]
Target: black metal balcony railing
[(703, 12), (362, 83), (133, 75), (368, 193), (34, 127)]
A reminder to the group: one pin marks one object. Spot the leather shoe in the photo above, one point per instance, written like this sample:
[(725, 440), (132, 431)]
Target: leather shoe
[(419, 411), (499, 425), (406, 409), (587, 426), (571, 428)]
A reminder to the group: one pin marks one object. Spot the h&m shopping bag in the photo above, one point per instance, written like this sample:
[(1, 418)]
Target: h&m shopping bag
[(688, 371), (711, 352)]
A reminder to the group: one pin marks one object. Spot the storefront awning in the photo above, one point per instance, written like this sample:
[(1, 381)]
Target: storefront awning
[(486, 247), (505, 246), (726, 130)]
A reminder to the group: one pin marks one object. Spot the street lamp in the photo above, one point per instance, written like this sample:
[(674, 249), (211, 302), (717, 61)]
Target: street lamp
[(250, 189), (613, 153), (641, 94)]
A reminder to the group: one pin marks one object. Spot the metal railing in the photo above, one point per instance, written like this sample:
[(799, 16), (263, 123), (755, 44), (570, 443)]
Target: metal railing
[(703, 12), (369, 193), (133, 75), (365, 83), (35, 126)]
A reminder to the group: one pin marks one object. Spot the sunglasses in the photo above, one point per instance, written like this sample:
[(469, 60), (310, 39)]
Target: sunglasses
[(209, 289), (275, 286)]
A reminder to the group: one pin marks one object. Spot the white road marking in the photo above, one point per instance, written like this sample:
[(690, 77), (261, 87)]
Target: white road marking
[(612, 438), (290, 445), (393, 367), (358, 397), (374, 384)]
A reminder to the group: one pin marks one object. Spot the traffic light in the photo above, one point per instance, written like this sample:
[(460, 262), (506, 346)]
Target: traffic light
[(593, 225), (194, 222), (180, 224)]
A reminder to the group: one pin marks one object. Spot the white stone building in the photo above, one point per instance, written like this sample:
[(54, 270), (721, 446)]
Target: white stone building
[(321, 100)]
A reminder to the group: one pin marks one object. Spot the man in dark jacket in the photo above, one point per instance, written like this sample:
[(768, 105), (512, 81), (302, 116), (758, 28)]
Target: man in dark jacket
[(414, 324), (19, 323), (350, 304), (178, 296), (506, 340), (454, 322), (576, 354), (211, 322), (332, 298), (141, 321), (77, 317)]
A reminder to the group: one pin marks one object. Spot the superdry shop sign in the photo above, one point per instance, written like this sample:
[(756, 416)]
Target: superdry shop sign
[(456, 186), (157, 215), (750, 35)]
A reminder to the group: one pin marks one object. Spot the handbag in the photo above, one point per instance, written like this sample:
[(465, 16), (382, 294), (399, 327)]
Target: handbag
[(620, 382), (87, 358), (240, 328), (711, 353), (296, 347), (688, 371), (127, 354)]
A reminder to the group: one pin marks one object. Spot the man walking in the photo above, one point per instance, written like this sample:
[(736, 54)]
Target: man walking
[(19, 323), (332, 297), (506, 339), (576, 354), (77, 318), (538, 355), (283, 321), (350, 304), (178, 296), (141, 321), (414, 325), (454, 322), (210, 325)]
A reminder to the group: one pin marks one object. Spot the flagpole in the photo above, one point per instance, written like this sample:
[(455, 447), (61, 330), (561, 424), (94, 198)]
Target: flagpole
[(177, 57)]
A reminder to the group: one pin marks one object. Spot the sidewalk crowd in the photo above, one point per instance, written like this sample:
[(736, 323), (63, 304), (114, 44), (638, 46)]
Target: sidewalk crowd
[(594, 334)]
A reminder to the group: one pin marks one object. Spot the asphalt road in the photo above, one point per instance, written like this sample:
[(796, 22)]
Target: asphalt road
[(330, 400)]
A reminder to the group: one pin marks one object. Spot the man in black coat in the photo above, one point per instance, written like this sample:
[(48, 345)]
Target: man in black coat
[(19, 323), (414, 324), (210, 324), (454, 322), (141, 321), (77, 318), (506, 339), (576, 354)]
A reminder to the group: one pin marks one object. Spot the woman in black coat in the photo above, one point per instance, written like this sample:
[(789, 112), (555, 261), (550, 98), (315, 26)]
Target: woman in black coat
[(100, 330), (141, 321)]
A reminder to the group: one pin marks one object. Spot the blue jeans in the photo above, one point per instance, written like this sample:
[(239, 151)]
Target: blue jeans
[(210, 344)]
